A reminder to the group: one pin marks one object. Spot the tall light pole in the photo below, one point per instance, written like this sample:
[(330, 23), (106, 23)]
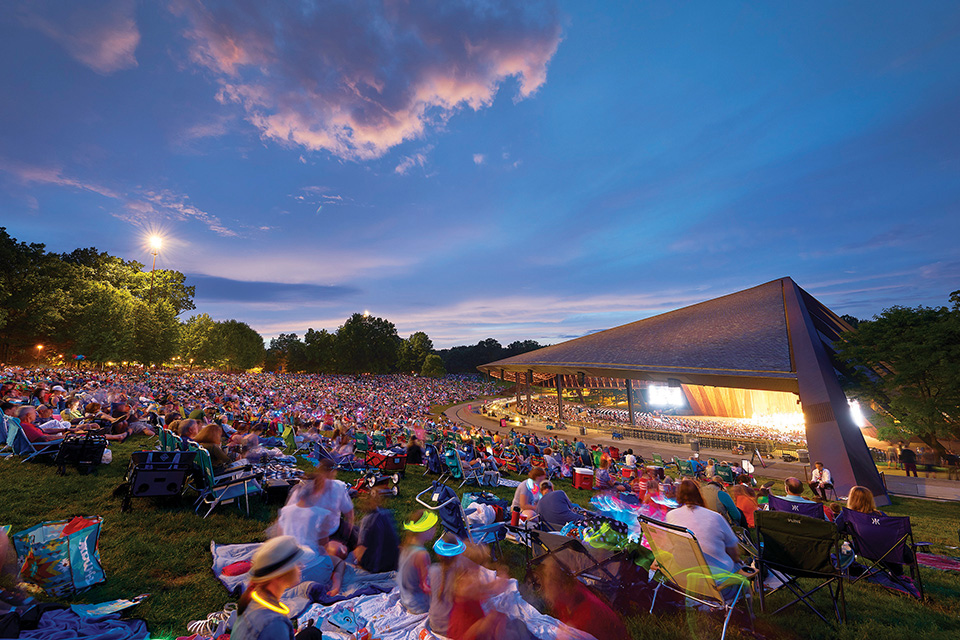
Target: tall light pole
[(39, 352), (155, 244)]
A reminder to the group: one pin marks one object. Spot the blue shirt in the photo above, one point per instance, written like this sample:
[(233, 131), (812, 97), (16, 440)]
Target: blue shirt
[(260, 623)]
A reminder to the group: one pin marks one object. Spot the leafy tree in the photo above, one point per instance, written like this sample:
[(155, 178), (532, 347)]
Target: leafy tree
[(198, 341), (413, 352), (242, 347), (367, 344), (102, 324), (905, 362), (321, 351), (155, 332), (433, 367)]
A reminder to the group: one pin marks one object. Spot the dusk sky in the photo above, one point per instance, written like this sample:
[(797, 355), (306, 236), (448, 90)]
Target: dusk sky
[(478, 168)]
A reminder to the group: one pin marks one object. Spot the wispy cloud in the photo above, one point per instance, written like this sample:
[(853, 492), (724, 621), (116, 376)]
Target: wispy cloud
[(139, 206), (479, 158), (101, 34), (356, 78), (418, 159)]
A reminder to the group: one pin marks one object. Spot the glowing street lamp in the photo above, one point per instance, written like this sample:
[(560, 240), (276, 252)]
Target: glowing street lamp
[(155, 243), (39, 352)]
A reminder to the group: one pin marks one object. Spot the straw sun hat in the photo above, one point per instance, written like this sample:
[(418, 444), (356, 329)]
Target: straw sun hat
[(276, 557)]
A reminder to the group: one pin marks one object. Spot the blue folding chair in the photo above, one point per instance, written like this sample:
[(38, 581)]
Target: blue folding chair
[(449, 508), (29, 450)]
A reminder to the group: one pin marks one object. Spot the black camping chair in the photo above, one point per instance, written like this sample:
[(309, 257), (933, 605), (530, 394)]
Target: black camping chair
[(808, 509), (602, 569), (85, 451), (801, 547), (886, 542)]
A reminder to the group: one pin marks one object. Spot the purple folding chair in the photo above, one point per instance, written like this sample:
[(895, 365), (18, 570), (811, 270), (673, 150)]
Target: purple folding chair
[(887, 543), (809, 509)]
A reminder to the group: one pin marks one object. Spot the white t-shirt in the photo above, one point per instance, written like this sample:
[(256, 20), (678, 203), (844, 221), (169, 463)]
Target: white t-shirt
[(630, 460), (712, 532), (334, 500), (302, 523)]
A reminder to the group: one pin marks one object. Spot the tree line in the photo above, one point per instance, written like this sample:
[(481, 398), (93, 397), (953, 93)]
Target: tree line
[(88, 304)]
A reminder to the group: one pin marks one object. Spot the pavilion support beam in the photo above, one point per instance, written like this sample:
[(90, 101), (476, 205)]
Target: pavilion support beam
[(516, 384), (559, 398), (633, 417), (529, 378), (832, 435)]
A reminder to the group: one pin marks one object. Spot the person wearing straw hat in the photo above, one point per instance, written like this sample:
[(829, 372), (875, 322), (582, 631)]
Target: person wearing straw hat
[(274, 569)]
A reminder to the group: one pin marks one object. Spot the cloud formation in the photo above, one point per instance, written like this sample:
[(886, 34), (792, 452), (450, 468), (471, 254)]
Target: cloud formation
[(357, 78), (101, 34), (140, 206)]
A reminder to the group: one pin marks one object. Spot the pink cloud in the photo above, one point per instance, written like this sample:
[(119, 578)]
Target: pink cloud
[(101, 34), (359, 78)]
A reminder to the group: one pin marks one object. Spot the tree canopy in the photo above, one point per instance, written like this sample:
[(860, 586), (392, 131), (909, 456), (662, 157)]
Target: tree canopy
[(904, 362)]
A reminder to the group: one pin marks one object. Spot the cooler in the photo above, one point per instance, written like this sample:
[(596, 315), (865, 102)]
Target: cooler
[(582, 478)]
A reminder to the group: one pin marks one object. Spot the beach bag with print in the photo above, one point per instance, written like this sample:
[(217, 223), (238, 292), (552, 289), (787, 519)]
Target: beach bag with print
[(62, 558)]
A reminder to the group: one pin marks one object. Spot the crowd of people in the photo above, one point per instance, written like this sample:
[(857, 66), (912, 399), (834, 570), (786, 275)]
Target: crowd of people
[(611, 418), (316, 540)]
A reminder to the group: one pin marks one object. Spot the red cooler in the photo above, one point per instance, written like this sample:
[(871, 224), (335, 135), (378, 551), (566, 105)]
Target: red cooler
[(582, 478)]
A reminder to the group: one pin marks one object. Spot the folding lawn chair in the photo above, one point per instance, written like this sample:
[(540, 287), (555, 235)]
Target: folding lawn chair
[(725, 473), (808, 509), (458, 470), (444, 501), (5, 447), (226, 488), (601, 569), (290, 441), (682, 568), (802, 547), (432, 461), (886, 542), (658, 460), (29, 450)]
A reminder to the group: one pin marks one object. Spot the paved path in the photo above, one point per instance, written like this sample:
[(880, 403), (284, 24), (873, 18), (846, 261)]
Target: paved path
[(939, 489)]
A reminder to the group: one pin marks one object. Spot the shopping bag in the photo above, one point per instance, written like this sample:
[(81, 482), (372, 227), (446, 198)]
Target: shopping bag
[(62, 557)]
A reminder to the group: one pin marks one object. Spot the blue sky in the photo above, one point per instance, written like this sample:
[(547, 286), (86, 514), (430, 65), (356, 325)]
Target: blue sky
[(481, 169)]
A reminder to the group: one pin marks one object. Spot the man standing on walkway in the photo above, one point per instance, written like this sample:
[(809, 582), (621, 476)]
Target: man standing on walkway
[(909, 459)]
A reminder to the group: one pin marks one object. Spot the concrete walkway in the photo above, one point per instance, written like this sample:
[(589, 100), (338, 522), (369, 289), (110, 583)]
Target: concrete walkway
[(938, 489)]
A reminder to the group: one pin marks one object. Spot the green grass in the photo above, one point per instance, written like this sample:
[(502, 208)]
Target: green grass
[(163, 549)]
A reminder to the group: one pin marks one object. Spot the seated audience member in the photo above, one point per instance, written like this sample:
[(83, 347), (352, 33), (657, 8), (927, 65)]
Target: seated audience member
[(717, 540), (630, 460), (414, 451), (274, 569), (27, 415), (603, 479), (443, 578), (329, 496), (320, 564), (566, 468), (555, 508), (71, 411), (527, 493), (745, 498), (820, 481), (861, 500), (413, 566), (717, 499), (48, 423), (468, 620), (378, 546), (794, 491), (575, 605)]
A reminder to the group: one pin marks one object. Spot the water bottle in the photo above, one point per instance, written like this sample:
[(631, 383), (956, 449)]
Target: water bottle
[(515, 517)]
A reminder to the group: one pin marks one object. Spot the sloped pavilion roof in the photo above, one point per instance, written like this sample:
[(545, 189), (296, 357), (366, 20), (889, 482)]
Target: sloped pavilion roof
[(738, 340)]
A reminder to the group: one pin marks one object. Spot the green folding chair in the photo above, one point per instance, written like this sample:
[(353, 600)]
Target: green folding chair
[(225, 488)]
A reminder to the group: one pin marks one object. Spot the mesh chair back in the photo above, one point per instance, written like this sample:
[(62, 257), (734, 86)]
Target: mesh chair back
[(808, 509), (681, 561), (879, 537), (799, 545)]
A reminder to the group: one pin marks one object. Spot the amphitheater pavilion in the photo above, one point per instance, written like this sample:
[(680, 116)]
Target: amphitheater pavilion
[(762, 351)]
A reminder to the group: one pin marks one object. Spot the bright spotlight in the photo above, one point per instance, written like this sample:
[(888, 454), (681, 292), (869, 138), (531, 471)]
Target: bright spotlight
[(663, 396), (857, 413), (156, 242), (366, 314)]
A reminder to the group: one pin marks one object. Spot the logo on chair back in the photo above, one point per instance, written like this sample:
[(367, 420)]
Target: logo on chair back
[(875, 521), (795, 507)]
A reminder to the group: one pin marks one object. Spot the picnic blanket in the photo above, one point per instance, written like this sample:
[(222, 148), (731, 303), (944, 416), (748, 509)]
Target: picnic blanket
[(65, 624), (944, 563), (389, 620), (297, 599)]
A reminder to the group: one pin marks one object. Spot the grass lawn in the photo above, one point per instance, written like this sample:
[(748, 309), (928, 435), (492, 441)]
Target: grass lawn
[(163, 549)]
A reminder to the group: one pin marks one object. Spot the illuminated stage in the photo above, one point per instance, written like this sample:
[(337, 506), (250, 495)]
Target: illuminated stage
[(764, 352)]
